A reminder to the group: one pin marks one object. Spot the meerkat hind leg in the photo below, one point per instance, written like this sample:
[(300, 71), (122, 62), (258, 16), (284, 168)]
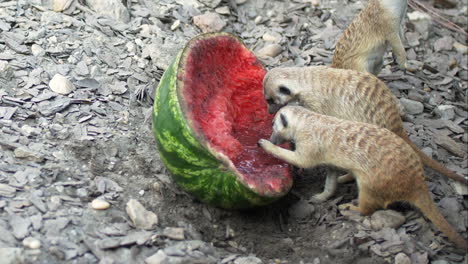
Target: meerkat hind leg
[(367, 204), (398, 50)]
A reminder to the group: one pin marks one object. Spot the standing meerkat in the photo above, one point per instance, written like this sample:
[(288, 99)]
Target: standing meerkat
[(386, 168), (345, 94), (365, 41)]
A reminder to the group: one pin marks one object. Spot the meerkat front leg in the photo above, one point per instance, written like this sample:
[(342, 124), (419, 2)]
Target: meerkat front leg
[(398, 49), (288, 156), (330, 187)]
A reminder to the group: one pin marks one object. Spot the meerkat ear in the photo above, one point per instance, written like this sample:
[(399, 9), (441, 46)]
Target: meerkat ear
[(284, 121), (284, 90)]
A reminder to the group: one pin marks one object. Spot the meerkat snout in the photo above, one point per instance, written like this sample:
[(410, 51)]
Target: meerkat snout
[(277, 91), (280, 126)]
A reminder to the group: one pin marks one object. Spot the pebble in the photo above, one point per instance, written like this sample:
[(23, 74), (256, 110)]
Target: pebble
[(11, 255), (270, 50), (412, 107), (449, 144), (414, 65), (402, 258), (273, 37), (37, 50), (258, 20), (386, 218), (32, 243), (111, 8), (61, 5), (248, 260), (176, 233), (315, 3), (223, 10), (61, 85), (175, 25), (460, 48), (24, 153), (209, 22), (422, 23), (7, 190), (446, 112), (158, 258), (240, 2), (141, 217), (99, 204)]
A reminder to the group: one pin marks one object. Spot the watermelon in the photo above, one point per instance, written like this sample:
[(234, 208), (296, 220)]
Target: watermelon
[(209, 113)]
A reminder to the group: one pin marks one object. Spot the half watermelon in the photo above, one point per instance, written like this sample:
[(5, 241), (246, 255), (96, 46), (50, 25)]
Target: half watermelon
[(209, 113)]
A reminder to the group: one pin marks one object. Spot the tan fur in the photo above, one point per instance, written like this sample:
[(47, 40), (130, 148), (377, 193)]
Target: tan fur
[(386, 168), (365, 41), (345, 94)]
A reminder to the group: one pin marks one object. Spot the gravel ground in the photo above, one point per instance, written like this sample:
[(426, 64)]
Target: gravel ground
[(80, 176)]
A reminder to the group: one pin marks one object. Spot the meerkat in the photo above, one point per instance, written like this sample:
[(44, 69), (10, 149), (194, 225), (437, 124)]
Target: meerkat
[(345, 94), (364, 42), (385, 167)]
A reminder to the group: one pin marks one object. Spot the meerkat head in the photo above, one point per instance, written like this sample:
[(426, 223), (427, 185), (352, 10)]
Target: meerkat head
[(282, 127), (280, 88)]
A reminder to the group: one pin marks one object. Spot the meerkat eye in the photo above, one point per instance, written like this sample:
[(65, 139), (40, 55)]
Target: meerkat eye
[(284, 90), (284, 120), (270, 101)]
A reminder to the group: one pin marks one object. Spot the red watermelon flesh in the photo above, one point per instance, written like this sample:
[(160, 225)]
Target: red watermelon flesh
[(223, 93)]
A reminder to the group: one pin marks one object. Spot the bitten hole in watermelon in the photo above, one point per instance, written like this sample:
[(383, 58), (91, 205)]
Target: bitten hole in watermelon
[(224, 98)]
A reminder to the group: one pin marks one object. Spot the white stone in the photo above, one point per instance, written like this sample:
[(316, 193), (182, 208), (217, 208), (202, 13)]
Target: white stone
[(223, 10), (99, 204), (446, 112), (270, 50), (61, 5), (159, 258), (460, 47), (273, 37), (61, 85), (209, 22), (32, 243), (402, 258), (37, 50), (111, 8), (141, 217), (412, 107), (175, 25)]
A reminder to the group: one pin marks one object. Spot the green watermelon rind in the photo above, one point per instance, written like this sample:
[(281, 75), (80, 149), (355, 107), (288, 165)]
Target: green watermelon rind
[(195, 167)]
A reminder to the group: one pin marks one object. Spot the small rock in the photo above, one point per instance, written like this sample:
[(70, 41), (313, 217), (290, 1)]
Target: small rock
[(10, 255), (24, 153), (440, 261), (211, 3), (414, 66), (258, 20), (248, 260), (449, 144), (402, 258), (61, 85), (459, 188), (209, 22), (422, 23), (273, 37), (61, 5), (270, 50), (386, 218), (159, 258), (119, 88), (301, 210), (444, 43), (412, 107), (223, 10), (37, 50), (175, 25), (32, 243), (20, 226), (240, 2), (7, 190), (98, 204), (141, 217), (175, 233), (446, 112), (111, 8), (460, 48), (315, 3)]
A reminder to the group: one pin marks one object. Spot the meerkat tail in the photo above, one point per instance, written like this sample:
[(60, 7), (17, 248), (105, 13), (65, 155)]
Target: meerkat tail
[(424, 202), (426, 160)]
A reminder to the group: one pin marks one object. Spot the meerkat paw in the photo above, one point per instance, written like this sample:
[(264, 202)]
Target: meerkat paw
[(345, 178), (349, 207), (266, 145), (320, 198)]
